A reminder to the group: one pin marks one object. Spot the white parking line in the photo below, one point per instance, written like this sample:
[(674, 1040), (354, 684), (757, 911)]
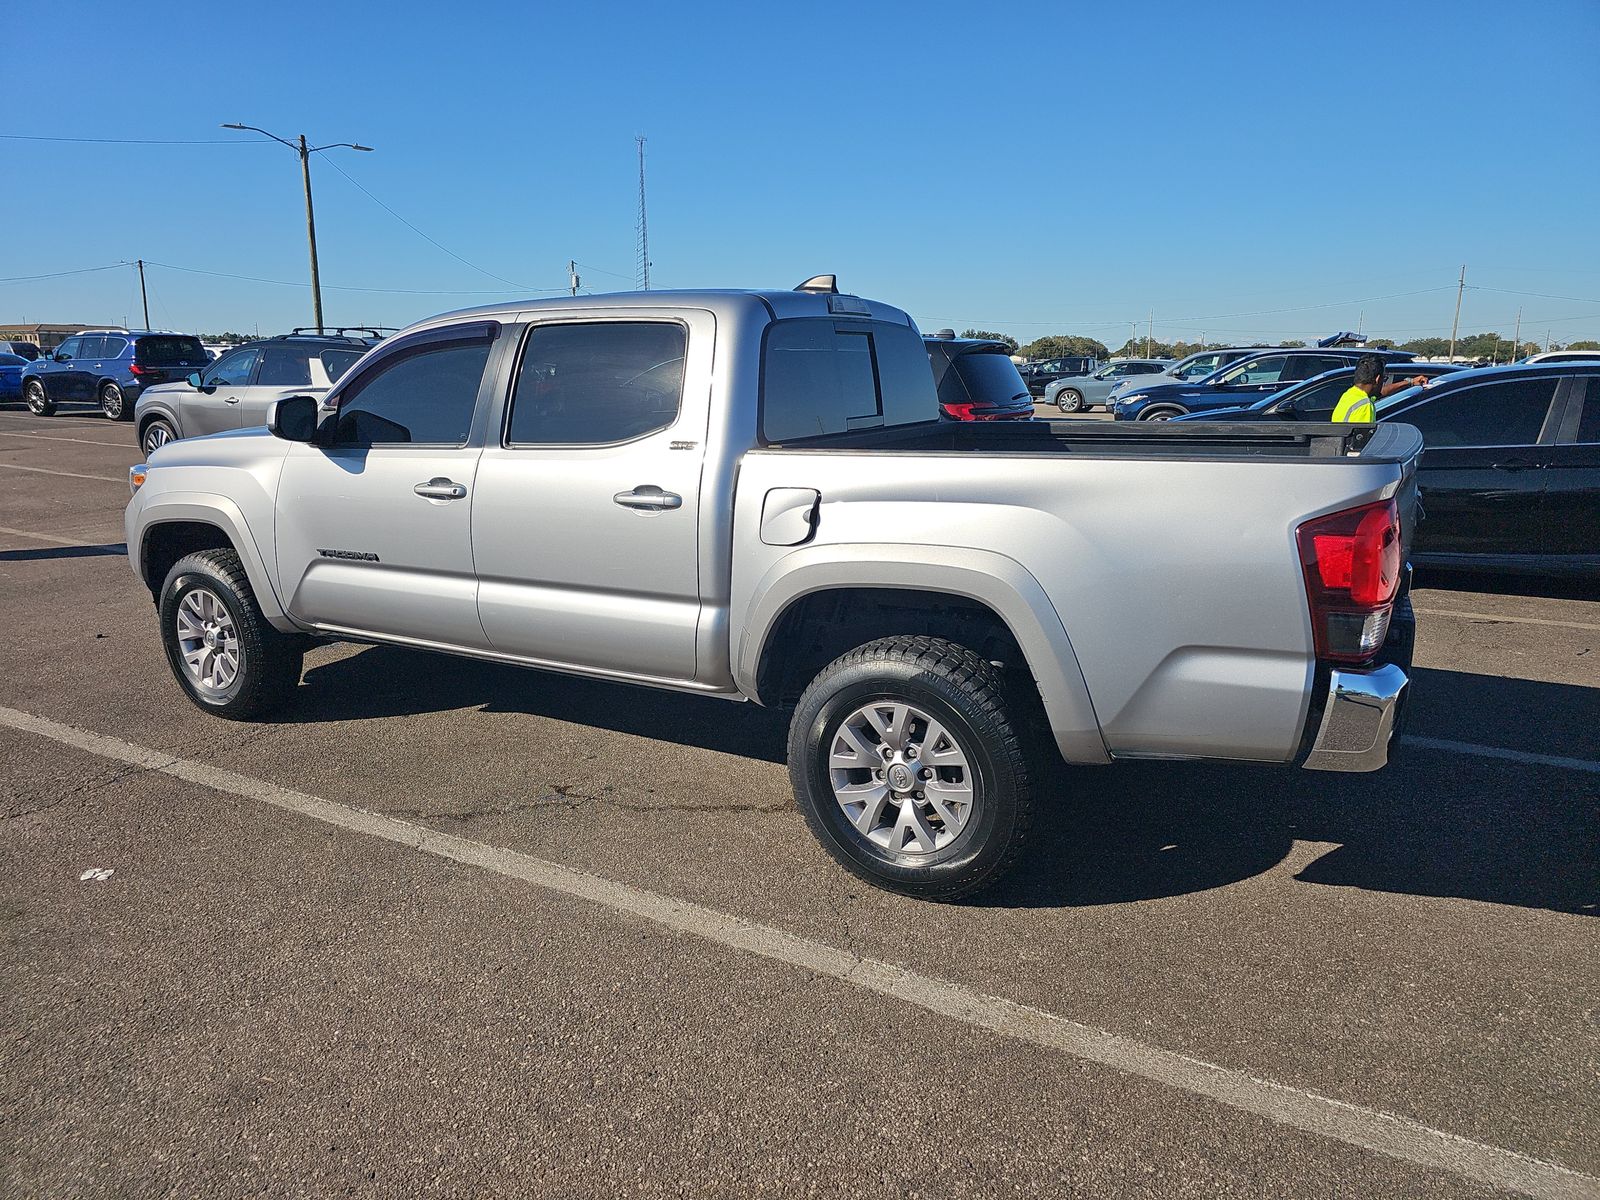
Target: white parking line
[(68, 474), (59, 541), (1491, 617), (1521, 756), (50, 437), (1370, 1129)]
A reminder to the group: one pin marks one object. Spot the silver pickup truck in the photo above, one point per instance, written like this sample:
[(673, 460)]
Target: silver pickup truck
[(750, 495)]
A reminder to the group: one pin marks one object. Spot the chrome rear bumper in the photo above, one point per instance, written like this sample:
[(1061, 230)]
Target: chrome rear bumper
[(1358, 720)]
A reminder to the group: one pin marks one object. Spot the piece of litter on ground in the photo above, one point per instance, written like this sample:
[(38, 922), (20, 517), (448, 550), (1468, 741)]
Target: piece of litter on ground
[(96, 873)]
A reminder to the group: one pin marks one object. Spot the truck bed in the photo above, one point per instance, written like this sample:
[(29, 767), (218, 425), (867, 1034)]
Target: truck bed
[(1163, 440)]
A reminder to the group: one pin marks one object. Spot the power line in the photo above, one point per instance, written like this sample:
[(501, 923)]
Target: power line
[(432, 241), (1537, 295), (603, 271), (59, 274)]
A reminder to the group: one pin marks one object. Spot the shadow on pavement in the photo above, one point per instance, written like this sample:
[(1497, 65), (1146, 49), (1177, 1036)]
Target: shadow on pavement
[(385, 681), (49, 552), (1554, 587), (1434, 823)]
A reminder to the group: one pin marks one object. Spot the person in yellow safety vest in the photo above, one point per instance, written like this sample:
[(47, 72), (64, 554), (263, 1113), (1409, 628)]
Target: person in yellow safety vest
[(1357, 405)]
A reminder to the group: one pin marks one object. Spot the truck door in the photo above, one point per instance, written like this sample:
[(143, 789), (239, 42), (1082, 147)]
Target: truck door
[(374, 529), (585, 527)]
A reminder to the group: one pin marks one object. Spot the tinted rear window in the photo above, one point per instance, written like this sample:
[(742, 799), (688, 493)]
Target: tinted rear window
[(170, 352), (826, 375), (989, 379)]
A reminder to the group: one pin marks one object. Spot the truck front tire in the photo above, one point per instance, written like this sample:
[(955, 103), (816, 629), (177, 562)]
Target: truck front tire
[(909, 768), (228, 659)]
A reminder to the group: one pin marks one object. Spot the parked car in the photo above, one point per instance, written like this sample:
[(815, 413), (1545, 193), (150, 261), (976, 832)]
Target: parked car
[(1563, 356), (1196, 366), (1040, 375), (977, 381), (1316, 398), (235, 391), (109, 367), (1093, 391), (782, 517), (28, 351), (1510, 478), (11, 377), (1235, 385)]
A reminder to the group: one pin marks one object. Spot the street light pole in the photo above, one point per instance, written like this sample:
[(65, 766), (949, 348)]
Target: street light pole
[(305, 152)]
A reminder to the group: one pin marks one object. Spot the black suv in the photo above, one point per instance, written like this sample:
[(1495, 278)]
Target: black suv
[(976, 380)]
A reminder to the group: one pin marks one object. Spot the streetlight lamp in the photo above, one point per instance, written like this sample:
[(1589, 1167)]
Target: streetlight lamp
[(305, 152)]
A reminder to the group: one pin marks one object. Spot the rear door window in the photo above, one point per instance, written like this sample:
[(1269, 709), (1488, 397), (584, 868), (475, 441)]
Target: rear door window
[(1492, 414), (170, 351), (597, 384), (114, 346), (1589, 419), (89, 347)]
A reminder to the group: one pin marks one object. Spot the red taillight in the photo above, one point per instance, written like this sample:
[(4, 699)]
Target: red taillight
[(136, 369), (959, 412), (1352, 569)]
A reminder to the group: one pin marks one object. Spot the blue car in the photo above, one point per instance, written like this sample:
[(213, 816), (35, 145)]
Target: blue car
[(109, 368), (11, 376), (1242, 382)]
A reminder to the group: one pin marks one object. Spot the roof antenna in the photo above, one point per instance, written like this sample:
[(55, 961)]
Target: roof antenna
[(825, 285)]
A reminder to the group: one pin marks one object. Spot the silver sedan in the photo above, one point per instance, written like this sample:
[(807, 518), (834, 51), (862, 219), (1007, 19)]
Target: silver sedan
[(1078, 393)]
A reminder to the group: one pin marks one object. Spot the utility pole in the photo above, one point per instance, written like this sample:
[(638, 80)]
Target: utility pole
[(1461, 286), (572, 276), (143, 296), (1547, 341), (1148, 337), (644, 229), (1516, 339), (1202, 339), (1133, 335), (305, 152)]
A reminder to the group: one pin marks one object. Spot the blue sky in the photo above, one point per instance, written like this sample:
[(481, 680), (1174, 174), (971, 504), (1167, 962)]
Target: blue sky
[(1027, 168)]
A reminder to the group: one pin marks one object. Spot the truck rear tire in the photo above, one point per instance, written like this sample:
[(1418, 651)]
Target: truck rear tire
[(909, 768), (222, 650)]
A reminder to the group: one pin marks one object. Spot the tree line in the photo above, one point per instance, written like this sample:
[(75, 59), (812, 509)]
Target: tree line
[(1490, 345)]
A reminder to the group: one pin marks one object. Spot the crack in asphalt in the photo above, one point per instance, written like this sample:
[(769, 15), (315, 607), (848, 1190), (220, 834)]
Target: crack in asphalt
[(565, 796)]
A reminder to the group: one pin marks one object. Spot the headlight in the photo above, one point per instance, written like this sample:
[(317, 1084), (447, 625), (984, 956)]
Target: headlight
[(136, 476), (1133, 399)]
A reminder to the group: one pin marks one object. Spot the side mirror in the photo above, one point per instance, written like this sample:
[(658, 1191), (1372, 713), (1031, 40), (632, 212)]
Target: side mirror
[(193, 380), (294, 418), (59, 357)]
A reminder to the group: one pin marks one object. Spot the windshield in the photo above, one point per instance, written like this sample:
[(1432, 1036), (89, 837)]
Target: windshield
[(170, 352), (989, 378)]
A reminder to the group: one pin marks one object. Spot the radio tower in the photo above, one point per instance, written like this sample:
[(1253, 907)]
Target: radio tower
[(644, 229)]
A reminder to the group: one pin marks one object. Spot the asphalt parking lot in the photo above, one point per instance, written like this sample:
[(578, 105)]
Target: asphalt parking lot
[(460, 927)]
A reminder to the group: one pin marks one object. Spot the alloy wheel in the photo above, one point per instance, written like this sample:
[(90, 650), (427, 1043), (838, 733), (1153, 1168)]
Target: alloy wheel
[(208, 640), (902, 779)]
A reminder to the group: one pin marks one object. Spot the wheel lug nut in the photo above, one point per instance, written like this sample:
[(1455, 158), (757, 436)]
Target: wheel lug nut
[(927, 772)]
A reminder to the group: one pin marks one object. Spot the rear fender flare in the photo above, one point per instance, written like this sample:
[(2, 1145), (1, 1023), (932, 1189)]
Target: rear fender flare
[(1000, 583)]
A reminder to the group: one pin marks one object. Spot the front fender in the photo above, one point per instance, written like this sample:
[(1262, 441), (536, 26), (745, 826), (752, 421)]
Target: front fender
[(209, 509), (994, 580)]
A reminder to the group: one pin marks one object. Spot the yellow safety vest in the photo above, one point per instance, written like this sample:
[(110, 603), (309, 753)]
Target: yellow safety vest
[(1355, 406)]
